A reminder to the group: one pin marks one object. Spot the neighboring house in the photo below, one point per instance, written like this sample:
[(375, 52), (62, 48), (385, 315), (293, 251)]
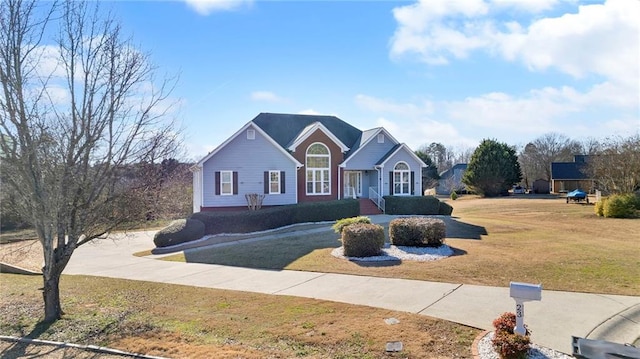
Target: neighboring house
[(569, 176), (451, 180), (540, 186), (302, 158)]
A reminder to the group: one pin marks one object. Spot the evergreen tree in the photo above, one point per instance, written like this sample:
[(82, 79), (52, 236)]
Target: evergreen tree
[(493, 169)]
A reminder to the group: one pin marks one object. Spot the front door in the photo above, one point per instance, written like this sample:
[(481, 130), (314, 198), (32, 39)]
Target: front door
[(352, 184)]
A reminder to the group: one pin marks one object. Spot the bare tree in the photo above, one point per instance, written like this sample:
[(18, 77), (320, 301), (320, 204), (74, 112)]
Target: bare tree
[(78, 113), (537, 156), (616, 167)]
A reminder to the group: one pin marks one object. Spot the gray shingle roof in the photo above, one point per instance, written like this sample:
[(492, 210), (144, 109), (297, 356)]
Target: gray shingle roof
[(284, 128), (568, 171)]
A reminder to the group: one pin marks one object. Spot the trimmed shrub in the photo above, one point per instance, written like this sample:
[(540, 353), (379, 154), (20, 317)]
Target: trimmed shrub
[(508, 344), (341, 223), (179, 231), (445, 209), (511, 346), (453, 195), (246, 221), (599, 207), (424, 205), (417, 232), (620, 206), (362, 240)]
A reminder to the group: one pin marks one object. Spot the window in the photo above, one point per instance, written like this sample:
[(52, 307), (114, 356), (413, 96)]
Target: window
[(274, 182), (380, 138), (318, 169), (251, 134), (401, 179), (226, 183)]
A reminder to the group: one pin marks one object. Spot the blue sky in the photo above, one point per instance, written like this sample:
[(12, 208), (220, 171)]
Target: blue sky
[(448, 71)]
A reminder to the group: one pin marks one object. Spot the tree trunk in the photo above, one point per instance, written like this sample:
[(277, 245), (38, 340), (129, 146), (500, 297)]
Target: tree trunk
[(51, 294)]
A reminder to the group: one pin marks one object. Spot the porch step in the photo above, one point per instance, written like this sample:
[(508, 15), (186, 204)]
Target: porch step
[(367, 207)]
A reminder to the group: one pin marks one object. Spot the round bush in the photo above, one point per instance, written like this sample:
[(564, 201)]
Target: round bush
[(362, 240), (341, 223), (179, 231), (453, 195), (620, 206), (417, 232)]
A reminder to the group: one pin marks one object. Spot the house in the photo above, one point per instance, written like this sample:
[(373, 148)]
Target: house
[(451, 180), (302, 158), (569, 176)]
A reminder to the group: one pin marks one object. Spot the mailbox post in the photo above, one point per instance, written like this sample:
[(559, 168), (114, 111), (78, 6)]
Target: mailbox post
[(522, 292)]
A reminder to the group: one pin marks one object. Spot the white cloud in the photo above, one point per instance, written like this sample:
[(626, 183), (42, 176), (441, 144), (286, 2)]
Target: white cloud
[(600, 39), (534, 6), (425, 29), (309, 111), (206, 7), (266, 96)]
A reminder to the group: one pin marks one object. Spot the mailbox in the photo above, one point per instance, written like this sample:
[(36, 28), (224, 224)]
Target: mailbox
[(525, 291), (522, 292)]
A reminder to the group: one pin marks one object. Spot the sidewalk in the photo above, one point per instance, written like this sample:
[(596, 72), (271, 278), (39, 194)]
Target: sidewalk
[(552, 321)]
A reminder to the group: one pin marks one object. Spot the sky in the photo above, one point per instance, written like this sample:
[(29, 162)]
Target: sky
[(449, 71)]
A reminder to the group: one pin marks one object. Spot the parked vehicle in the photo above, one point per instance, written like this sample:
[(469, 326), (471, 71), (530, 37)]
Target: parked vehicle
[(577, 196), (518, 190)]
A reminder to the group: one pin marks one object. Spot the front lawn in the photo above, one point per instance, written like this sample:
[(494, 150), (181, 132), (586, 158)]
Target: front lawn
[(188, 322), (528, 239)]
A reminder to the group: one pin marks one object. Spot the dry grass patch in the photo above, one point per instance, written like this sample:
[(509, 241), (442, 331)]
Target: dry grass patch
[(530, 239), (188, 322)]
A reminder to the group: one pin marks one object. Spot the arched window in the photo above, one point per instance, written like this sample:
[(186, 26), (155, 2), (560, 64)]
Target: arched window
[(401, 179), (318, 163)]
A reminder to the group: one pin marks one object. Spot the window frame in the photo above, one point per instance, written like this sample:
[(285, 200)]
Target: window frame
[(223, 182), (318, 177), (401, 174), (277, 183)]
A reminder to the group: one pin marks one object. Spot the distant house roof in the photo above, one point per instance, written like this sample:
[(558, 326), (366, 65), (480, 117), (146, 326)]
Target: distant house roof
[(448, 173), (285, 128), (568, 171)]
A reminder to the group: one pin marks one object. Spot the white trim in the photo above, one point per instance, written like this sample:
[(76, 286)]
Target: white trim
[(197, 189), (407, 149), (315, 169), (401, 183), (279, 182), (245, 127), (378, 131), (309, 130), (223, 193)]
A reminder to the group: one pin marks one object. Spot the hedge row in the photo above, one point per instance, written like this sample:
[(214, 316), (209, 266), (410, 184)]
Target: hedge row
[(179, 231), (426, 205), (276, 217)]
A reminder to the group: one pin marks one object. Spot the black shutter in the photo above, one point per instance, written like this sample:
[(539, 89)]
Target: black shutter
[(235, 182), (266, 182), (413, 185), (217, 183), (282, 185), (391, 183)]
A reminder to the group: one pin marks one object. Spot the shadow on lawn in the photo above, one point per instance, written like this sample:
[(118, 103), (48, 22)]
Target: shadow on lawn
[(461, 230), (279, 253)]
